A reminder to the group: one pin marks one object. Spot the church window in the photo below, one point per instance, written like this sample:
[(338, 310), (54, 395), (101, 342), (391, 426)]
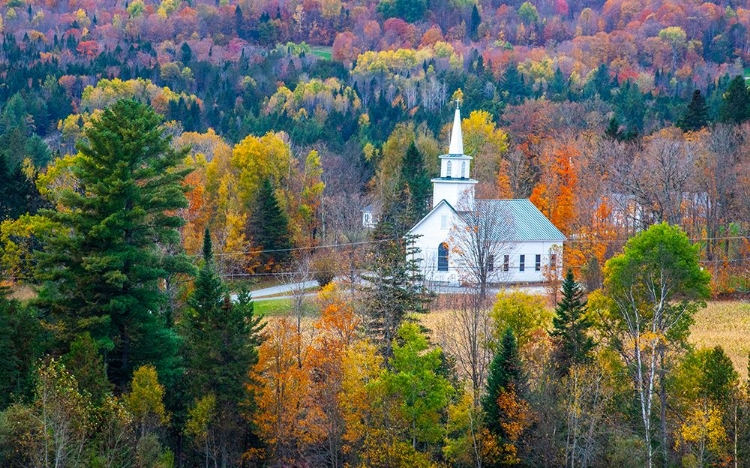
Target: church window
[(522, 263), (443, 257), (444, 222), (506, 262), (491, 263), (448, 169), (538, 263), (463, 169)]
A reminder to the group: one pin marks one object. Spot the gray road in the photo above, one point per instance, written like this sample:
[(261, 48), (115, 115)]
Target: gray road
[(279, 292), (284, 291)]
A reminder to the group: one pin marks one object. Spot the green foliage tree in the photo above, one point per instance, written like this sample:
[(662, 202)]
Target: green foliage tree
[(408, 10), (655, 287), (221, 340), (415, 379), (523, 313), (735, 107), (393, 290), (528, 13), (696, 115), (570, 327), (269, 227), (104, 276)]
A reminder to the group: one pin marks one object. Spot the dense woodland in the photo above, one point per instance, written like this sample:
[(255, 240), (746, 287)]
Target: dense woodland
[(156, 158)]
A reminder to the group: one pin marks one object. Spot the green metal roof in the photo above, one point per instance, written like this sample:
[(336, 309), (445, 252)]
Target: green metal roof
[(523, 222)]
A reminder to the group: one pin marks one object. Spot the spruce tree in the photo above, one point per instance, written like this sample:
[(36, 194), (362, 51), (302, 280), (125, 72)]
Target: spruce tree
[(613, 131), (221, 340), (696, 116), (573, 345), (21, 345), (393, 290), (104, 275), (735, 108), (476, 20), (505, 374), (269, 227), (415, 177)]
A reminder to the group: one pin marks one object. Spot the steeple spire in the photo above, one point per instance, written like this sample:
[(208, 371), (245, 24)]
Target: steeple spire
[(457, 139)]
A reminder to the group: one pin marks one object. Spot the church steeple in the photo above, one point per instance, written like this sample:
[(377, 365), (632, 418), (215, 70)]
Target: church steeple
[(457, 139), (454, 183)]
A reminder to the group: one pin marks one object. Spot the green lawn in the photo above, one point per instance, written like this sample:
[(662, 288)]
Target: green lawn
[(279, 307)]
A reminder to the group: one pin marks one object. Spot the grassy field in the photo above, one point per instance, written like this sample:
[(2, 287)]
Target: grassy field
[(725, 323), (279, 307)]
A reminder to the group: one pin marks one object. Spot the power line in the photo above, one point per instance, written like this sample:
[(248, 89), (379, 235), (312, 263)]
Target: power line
[(295, 249), (610, 241)]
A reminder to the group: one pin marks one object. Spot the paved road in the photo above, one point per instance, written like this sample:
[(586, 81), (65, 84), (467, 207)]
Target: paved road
[(278, 292)]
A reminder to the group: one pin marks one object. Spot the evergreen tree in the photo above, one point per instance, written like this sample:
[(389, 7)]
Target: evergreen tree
[(630, 105), (735, 107), (558, 87), (414, 175), (105, 274), (570, 326), (395, 218), (221, 344), (505, 374), (393, 290), (186, 54), (21, 344), (269, 227), (613, 131), (87, 366), (696, 116), (513, 84), (476, 20)]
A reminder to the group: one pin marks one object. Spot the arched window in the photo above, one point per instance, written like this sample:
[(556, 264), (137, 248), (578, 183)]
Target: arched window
[(448, 169), (463, 169), (443, 257)]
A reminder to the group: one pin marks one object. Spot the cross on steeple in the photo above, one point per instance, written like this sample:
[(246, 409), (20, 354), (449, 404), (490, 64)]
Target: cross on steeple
[(458, 102)]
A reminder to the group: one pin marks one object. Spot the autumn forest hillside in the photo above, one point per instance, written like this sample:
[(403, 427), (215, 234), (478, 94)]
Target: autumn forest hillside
[(159, 158), (575, 104)]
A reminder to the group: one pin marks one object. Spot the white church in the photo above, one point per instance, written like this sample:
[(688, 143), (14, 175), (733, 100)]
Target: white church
[(520, 244)]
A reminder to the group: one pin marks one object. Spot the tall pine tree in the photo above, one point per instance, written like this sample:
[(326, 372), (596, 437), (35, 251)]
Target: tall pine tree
[(269, 227), (105, 274), (393, 290), (415, 177), (221, 340), (570, 324)]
